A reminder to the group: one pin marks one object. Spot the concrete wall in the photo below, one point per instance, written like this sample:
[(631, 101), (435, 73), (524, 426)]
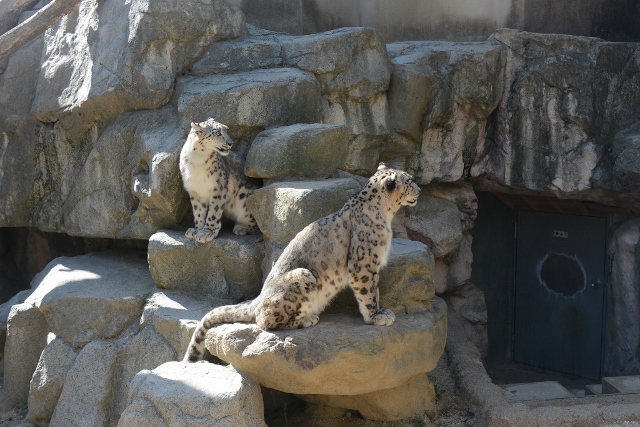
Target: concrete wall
[(457, 20)]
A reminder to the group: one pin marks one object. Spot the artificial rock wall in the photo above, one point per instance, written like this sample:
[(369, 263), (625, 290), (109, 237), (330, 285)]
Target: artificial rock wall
[(94, 114)]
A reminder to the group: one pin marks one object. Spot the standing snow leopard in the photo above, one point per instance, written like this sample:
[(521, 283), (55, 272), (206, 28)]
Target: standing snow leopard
[(214, 178), (344, 249)]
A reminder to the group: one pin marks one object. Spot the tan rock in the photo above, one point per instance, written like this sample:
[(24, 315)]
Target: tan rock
[(178, 394), (340, 355), (178, 263), (416, 396), (284, 208)]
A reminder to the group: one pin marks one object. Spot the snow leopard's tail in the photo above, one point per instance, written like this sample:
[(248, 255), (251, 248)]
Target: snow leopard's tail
[(243, 312)]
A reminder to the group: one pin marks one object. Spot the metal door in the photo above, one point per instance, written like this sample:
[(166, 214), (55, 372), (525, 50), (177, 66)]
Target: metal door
[(559, 292)]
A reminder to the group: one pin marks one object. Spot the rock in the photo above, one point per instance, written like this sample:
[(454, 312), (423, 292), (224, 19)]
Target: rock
[(462, 194), (178, 263), (369, 123), (551, 107), (5, 310), (458, 270), (349, 62), (27, 331), (131, 59), (93, 296), (626, 160), (258, 99), (199, 394), (283, 209), (56, 360), (441, 95), (145, 350), (174, 316), (468, 301), (435, 222), (18, 81), (340, 355), (416, 396), (130, 184), (300, 150), (87, 396), (623, 309), (257, 50), (406, 282)]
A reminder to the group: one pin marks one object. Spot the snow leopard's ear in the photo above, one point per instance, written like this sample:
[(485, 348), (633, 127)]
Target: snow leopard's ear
[(390, 182), (382, 166), (195, 126)]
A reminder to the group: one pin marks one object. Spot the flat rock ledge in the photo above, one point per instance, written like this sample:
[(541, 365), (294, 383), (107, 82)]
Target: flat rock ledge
[(341, 355)]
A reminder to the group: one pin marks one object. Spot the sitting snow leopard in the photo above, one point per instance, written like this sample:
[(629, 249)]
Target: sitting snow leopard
[(345, 248), (214, 178)]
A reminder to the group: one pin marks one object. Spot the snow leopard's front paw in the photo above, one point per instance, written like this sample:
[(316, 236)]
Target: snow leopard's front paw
[(191, 233), (383, 317), (206, 235)]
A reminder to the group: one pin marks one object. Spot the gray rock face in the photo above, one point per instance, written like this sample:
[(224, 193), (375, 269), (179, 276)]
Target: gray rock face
[(178, 263), (56, 360), (550, 107), (175, 315), (203, 393), (86, 395), (300, 150), (340, 355), (440, 97), (435, 222), (623, 308), (254, 99), (92, 296), (27, 331), (130, 60), (283, 209)]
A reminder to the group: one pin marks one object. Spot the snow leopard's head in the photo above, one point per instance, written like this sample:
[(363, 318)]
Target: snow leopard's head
[(211, 135)]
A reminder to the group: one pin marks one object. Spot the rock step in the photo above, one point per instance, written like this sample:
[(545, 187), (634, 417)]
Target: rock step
[(623, 384), (301, 151), (341, 355), (257, 99)]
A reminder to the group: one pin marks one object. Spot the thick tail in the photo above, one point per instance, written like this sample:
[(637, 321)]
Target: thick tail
[(242, 312)]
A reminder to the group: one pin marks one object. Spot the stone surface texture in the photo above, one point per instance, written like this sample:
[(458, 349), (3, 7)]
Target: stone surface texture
[(92, 296), (96, 110), (300, 150), (340, 355), (178, 263), (283, 209), (203, 393)]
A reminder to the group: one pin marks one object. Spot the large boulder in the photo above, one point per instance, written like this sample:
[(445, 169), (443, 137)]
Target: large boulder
[(550, 106), (27, 331), (175, 315), (259, 49), (55, 362), (130, 59), (300, 150), (283, 209), (251, 99), (86, 396), (92, 296), (177, 394), (341, 355), (179, 263), (622, 353), (440, 98)]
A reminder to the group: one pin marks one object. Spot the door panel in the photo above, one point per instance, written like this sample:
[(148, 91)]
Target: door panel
[(559, 292)]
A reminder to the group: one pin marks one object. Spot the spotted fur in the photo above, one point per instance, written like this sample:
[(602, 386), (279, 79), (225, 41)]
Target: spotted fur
[(344, 249), (214, 177)]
